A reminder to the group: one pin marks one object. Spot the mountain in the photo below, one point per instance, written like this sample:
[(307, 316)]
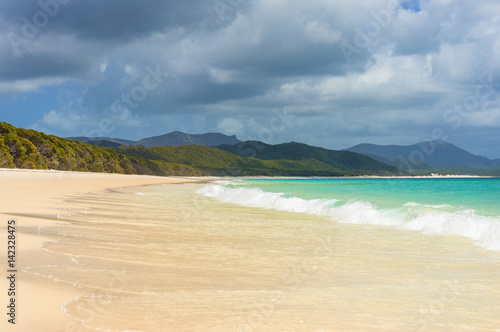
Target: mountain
[(22, 148), (343, 161), (175, 138), (426, 155), (400, 163), (99, 140), (218, 162), (178, 138), (285, 163), (105, 143), (30, 149)]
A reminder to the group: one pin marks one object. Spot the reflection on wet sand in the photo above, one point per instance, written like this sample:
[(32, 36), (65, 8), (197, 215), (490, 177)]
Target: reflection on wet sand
[(162, 258)]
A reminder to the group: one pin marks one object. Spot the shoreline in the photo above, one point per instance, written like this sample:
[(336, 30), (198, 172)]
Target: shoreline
[(33, 199), (212, 178), (358, 177), (210, 252)]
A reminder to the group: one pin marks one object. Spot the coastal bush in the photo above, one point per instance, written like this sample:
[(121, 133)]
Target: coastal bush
[(30, 149), (24, 148), (217, 162), (6, 159)]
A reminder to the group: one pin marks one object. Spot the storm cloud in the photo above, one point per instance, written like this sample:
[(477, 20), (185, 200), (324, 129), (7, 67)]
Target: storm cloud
[(341, 72)]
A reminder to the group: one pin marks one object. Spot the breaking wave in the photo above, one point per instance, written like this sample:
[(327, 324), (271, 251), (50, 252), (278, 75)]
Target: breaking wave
[(427, 219)]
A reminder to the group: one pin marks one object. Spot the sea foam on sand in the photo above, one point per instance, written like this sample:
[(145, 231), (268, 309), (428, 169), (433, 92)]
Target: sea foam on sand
[(428, 219)]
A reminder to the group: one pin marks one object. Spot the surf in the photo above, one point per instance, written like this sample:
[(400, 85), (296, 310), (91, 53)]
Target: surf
[(430, 219)]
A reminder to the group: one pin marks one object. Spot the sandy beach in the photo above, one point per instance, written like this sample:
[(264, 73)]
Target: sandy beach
[(100, 252), (31, 198)]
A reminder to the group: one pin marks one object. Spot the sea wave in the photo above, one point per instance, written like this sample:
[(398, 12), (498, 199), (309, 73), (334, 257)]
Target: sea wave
[(427, 219)]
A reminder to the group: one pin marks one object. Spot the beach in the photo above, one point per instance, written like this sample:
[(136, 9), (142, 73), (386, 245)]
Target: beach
[(138, 253), (25, 195)]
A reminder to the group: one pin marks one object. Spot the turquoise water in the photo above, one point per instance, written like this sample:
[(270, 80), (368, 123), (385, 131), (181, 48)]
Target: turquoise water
[(480, 194), (468, 207)]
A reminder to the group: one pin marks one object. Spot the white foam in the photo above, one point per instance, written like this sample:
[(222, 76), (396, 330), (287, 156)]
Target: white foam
[(441, 206), (232, 181), (427, 219), (255, 197), (485, 231)]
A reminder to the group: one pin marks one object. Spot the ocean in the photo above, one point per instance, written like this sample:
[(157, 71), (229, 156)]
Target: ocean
[(468, 207), (280, 255)]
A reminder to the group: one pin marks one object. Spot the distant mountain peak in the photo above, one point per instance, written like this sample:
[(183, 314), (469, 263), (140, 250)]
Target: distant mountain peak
[(343, 161), (425, 154), (174, 138)]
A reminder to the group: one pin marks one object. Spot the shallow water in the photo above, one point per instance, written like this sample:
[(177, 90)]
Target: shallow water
[(163, 258), (469, 207)]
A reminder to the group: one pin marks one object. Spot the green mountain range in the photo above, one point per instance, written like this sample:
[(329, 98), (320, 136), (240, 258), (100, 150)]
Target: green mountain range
[(430, 157), (175, 138), (30, 149), (340, 161), (22, 148)]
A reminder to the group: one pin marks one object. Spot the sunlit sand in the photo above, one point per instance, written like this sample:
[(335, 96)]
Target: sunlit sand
[(163, 258)]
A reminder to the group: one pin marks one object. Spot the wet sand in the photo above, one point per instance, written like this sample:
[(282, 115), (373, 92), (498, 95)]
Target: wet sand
[(163, 258), (33, 199)]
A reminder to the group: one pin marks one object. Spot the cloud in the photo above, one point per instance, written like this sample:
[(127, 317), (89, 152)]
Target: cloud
[(230, 127), (371, 69), (61, 121), (20, 86)]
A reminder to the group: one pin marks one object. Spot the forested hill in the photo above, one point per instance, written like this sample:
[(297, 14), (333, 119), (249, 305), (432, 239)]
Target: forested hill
[(219, 162), (175, 138), (22, 148), (343, 161), (435, 154)]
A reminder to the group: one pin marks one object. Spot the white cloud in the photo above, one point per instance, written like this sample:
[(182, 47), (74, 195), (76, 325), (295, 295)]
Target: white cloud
[(321, 33), (274, 54), (28, 85), (488, 116), (230, 126), (221, 76), (57, 121)]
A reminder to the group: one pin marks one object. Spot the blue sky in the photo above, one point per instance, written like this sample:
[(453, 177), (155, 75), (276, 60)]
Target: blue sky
[(413, 5), (326, 73)]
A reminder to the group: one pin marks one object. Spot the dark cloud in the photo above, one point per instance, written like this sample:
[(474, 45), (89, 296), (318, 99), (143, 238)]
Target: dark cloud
[(378, 70), (43, 65), (111, 20)]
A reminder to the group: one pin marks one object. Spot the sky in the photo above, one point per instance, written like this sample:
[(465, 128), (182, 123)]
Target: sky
[(329, 73)]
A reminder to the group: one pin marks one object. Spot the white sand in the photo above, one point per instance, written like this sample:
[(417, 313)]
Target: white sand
[(38, 301)]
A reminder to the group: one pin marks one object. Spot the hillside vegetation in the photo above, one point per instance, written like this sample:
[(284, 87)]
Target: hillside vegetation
[(22, 148), (30, 149), (175, 138), (341, 161), (219, 162)]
